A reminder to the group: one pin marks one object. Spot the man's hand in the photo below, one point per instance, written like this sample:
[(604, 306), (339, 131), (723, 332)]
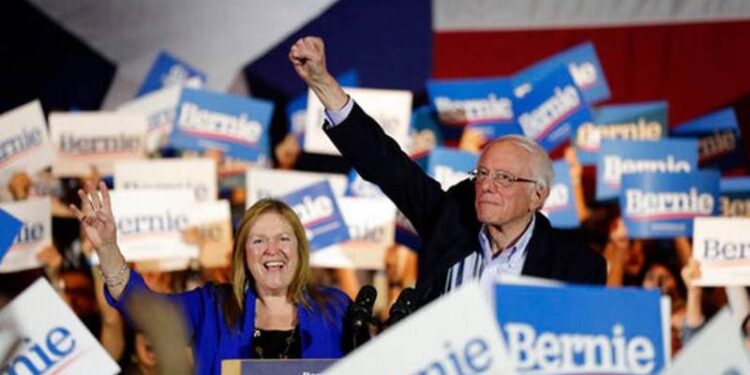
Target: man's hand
[(309, 60)]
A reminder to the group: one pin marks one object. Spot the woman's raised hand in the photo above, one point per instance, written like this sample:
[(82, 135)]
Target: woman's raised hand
[(96, 217)]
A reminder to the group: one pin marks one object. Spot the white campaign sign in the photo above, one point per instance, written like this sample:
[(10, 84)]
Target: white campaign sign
[(159, 107), (82, 140), (722, 246), (24, 143), (43, 336), (390, 108), (198, 175), (457, 334), (372, 226), (272, 183), (35, 235), (717, 349), (213, 221), (150, 223)]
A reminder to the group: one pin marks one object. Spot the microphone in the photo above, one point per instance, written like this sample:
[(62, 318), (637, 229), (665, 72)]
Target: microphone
[(404, 305), (358, 317)]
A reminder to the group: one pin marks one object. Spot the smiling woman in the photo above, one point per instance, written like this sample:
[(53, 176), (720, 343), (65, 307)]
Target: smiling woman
[(270, 310)]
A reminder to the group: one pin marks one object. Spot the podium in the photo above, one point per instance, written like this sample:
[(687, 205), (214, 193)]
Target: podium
[(274, 366)]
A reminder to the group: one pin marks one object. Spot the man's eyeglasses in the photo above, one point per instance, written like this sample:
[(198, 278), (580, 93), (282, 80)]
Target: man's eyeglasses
[(500, 178)]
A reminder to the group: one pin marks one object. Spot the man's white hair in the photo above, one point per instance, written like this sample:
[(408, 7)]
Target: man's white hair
[(541, 164)]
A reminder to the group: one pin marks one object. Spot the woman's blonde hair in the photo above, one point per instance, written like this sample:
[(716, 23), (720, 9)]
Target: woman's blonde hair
[(300, 290)]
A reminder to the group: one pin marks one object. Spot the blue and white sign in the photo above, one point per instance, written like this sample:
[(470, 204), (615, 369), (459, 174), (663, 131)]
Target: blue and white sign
[(735, 196), (235, 125), (582, 330), (359, 187), (450, 166), (663, 205), (472, 101), (170, 71), (42, 335), (618, 158), (9, 228), (719, 141), (583, 65), (635, 122), (560, 206), (317, 209), (296, 109), (549, 108)]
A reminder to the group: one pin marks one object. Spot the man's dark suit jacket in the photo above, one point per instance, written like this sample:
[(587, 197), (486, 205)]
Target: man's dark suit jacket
[(447, 221)]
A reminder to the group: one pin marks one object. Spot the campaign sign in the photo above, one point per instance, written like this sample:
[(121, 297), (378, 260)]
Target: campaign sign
[(735, 196), (450, 166), (42, 335), (82, 140), (151, 223), (456, 334), (619, 157), (717, 349), (583, 64), (582, 329), (9, 229), (198, 175), (212, 222), (635, 122), (318, 211), (274, 183), (24, 144), (425, 134), (296, 109), (359, 187), (472, 101), (370, 222), (719, 141), (169, 71), (549, 108), (391, 109), (722, 246), (34, 236), (560, 206), (663, 205), (235, 125), (159, 107)]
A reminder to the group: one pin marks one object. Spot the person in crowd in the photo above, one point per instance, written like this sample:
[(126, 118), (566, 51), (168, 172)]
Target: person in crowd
[(269, 310), (482, 227)]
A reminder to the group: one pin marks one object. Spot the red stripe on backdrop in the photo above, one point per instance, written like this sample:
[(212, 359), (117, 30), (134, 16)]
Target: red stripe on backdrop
[(697, 67)]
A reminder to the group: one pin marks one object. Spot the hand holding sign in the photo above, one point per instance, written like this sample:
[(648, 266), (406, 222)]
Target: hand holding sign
[(99, 226)]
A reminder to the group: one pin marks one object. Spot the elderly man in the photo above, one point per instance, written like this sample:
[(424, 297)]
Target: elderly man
[(480, 228)]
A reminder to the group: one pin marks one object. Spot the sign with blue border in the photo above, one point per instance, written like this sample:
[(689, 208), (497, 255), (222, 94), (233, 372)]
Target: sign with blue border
[(235, 125), (663, 205), (320, 214)]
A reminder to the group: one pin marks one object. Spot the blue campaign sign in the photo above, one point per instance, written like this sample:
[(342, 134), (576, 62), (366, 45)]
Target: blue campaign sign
[(426, 134), (719, 141), (549, 108), (450, 166), (582, 329), (663, 205), (583, 64), (9, 229), (637, 122), (472, 101), (735, 196), (169, 71), (560, 206), (320, 214), (359, 187), (618, 157), (236, 125), (296, 109)]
